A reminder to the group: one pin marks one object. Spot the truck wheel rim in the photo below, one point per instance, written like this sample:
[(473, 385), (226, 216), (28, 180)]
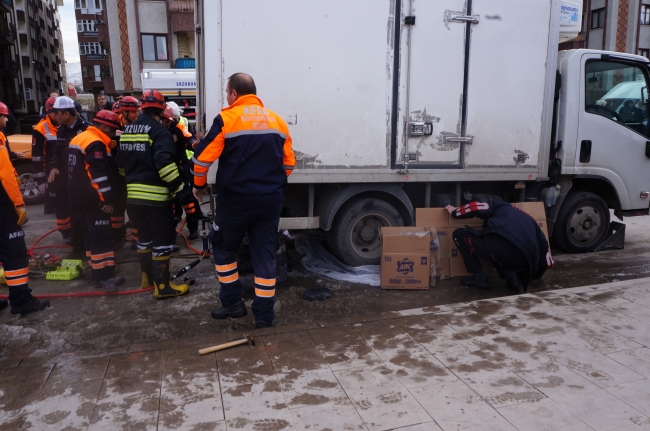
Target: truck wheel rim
[(364, 236), (29, 187), (585, 225)]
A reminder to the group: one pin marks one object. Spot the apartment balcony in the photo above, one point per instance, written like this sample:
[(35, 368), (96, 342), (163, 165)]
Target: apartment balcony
[(6, 6), (56, 43), (185, 63), (9, 68), (8, 35)]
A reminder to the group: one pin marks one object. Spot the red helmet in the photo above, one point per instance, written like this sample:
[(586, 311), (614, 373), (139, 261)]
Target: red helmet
[(49, 104), (116, 107), (129, 103), (108, 118), (153, 99), (168, 113), (3, 109)]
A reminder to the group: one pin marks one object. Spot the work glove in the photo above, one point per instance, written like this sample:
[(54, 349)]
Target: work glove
[(185, 197), (22, 215), (42, 188)]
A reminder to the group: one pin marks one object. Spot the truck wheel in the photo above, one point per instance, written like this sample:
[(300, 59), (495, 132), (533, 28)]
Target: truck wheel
[(582, 224), (29, 186), (354, 236)]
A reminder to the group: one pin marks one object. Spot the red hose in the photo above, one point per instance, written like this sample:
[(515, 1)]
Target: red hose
[(92, 293)]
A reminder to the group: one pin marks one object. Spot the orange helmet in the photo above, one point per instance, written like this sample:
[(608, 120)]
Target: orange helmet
[(168, 113), (153, 99), (116, 107), (3, 109), (129, 103), (49, 104), (108, 118)]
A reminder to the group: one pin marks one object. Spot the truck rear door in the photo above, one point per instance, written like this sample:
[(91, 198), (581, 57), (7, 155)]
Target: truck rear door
[(475, 83)]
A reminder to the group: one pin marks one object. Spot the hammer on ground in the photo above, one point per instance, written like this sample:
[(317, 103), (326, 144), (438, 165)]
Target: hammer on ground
[(247, 339)]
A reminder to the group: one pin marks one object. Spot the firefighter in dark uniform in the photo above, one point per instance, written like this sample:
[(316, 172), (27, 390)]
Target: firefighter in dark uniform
[(13, 251), (91, 182), (129, 111), (70, 125), (118, 187), (511, 240), (255, 156), (43, 145), (146, 158), (183, 141)]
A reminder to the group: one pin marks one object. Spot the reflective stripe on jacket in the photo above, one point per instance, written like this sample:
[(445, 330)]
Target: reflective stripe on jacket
[(43, 147), (91, 169), (146, 157), (253, 146)]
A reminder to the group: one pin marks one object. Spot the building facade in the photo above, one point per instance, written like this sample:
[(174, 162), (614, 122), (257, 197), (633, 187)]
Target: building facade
[(120, 38), (614, 25), (40, 57)]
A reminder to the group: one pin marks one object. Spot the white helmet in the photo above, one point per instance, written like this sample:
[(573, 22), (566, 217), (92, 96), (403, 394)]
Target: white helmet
[(175, 108)]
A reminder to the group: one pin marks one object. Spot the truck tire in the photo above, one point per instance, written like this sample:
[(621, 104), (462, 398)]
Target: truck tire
[(582, 224), (29, 187), (354, 237)]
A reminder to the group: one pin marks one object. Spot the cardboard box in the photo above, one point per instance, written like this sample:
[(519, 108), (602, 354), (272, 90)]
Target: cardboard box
[(405, 258), (437, 218)]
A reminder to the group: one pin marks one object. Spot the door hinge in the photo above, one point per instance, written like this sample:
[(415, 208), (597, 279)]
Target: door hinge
[(473, 19), (409, 20), (459, 139)]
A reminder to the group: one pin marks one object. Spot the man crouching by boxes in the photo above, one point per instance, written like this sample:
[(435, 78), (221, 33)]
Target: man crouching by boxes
[(511, 240)]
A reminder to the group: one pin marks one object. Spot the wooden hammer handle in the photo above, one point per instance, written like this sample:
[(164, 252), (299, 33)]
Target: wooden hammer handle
[(222, 346)]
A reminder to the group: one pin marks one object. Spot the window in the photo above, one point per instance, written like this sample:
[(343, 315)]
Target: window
[(154, 47), (28, 94), (48, 81), (598, 18), (617, 91), (90, 5), (86, 25), (30, 11), (90, 48), (644, 52), (645, 14)]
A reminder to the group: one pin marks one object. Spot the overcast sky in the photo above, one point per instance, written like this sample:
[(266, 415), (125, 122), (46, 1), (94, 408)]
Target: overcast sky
[(69, 30)]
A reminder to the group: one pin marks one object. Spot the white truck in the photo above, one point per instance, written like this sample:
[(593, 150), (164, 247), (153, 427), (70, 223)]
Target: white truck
[(177, 85), (397, 104)]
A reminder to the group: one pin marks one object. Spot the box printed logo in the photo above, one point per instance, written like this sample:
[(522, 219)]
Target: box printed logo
[(405, 266)]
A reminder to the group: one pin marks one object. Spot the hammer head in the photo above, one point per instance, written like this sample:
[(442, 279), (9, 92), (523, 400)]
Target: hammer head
[(251, 340)]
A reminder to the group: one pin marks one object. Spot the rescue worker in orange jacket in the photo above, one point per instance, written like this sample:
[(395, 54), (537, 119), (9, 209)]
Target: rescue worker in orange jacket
[(91, 182), (43, 146), (255, 156), (13, 251)]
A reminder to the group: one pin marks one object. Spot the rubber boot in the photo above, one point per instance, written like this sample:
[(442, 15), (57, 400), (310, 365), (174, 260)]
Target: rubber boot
[(146, 267), (164, 287)]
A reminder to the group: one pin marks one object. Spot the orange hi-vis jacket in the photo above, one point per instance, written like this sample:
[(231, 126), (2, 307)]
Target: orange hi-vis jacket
[(43, 146), (91, 169), (9, 189), (253, 146)]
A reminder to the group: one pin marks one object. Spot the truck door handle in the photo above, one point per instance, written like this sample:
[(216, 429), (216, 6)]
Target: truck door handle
[(647, 149), (585, 151)]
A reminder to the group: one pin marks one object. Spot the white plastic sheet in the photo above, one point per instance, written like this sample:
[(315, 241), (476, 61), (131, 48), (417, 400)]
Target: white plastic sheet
[(321, 262)]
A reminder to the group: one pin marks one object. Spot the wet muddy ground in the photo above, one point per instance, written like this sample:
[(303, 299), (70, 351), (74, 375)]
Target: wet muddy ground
[(104, 325)]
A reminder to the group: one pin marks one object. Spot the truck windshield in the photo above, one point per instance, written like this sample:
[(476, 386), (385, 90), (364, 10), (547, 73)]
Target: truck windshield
[(617, 91)]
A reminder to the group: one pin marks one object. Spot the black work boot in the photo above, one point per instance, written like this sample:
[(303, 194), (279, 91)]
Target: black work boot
[(193, 235), (30, 306), (478, 281), (513, 282), (234, 311), (3, 304), (164, 288), (259, 324), (146, 267)]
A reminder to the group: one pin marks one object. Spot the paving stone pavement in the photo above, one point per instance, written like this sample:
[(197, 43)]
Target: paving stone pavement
[(564, 360)]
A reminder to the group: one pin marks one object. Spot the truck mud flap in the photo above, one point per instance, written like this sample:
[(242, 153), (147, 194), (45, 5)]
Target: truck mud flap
[(615, 239)]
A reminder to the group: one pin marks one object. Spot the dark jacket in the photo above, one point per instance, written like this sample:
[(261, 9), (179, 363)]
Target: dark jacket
[(146, 158), (91, 170), (516, 226), (254, 149), (63, 137)]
